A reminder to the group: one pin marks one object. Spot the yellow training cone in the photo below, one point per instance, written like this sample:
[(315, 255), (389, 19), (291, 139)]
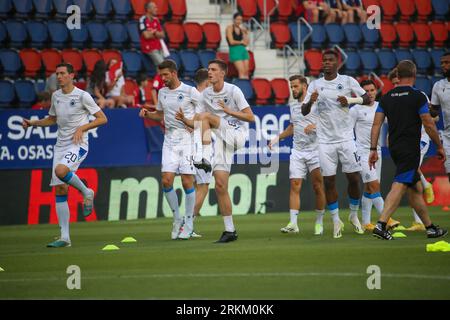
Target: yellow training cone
[(128, 240), (110, 247), (399, 235)]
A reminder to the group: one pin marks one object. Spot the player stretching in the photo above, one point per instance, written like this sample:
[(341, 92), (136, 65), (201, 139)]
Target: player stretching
[(70, 110), (332, 96), (304, 156), (177, 147), (227, 114)]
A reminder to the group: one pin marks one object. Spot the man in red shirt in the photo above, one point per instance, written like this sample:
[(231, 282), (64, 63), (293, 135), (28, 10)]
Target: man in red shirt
[(151, 34)]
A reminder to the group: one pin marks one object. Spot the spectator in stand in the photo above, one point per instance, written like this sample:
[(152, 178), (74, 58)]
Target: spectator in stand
[(318, 10), (298, 7), (97, 86), (115, 83), (338, 9), (151, 34), (354, 7), (237, 38), (157, 85), (43, 101)]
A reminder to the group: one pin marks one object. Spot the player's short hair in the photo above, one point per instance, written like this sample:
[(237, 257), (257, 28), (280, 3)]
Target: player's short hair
[(201, 75), (141, 78), (168, 64), (298, 77), (406, 69), (393, 74), (446, 54), (330, 51), (367, 83), (68, 66), (222, 64)]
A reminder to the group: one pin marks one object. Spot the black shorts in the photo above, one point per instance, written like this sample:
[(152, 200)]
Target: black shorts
[(407, 166)]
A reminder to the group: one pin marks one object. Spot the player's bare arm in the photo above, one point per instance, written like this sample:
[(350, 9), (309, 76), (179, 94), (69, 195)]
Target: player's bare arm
[(346, 101), (434, 110), (289, 131), (157, 115), (374, 134), (100, 119), (187, 122), (430, 128), (244, 115), (306, 107), (310, 128), (48, 121)]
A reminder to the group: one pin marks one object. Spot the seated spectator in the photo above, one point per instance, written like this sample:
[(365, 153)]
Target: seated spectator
[(97, 86), (354, 7), (317, 11), (237, 38), (338, 9), (115, 83), (43, 101)]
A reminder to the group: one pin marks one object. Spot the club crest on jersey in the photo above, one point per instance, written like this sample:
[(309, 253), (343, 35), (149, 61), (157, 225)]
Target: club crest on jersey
[(340, 86), (180, 97), (72, 102), (225, 100)]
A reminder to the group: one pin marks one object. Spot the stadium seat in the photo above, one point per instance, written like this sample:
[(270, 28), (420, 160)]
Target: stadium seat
[(280, 34), (148, 66), (387, 60), (7, 94), (246, 88), (232, 71), (369, 60), (387, 84), (118, 34), (103, 8), (61, 8), (424, 9), (86, 8), (23, 8), (423, 84), (74, 57), (59, 34), (109, 54), (280, 88), (319, 36), (368, 3), (17, 33), (440, 8), (122, 9), (285, 10), (90, 58), (133, 34), (262, 89), (43, 9), (248, 9), (251, 63), (11, 62), (205, 56), (190, 62), (353, 63), (407, 9), (3, 34), (435, 79), (51, 58), (423, 34), (440, 33), (390, 9), (132, 63), (436, 55), (138, 8), (335, 34), (370, 36), (38, 33), (130, 86), (163, 9), (313, 59), (422, 59), (6, 7), (148, 91), (194, 34), (270, 9), (175, 56), (178, 10), (79, 37), (174, 34), (31, 60), (25, 92), (98, 34), (39, 85), (403, 54), (80, 85), (189, 82), (212, 35), (294, 33), (388, 35), (353, 35), (405, 34)]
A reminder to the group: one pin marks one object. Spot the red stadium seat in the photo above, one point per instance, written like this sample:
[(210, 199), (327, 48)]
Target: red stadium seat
[(163, 8), (368, 3), (232, 71), (424, 9), (175, 35), (313, 59), (138, 7), (31, 60), (249, 9), (405, 34), (51, 58), (389, 8), (90, 58), (407, 9), (280, 89), (148, 91), (109, 54), (280, 34), (194, 34), (251, 63), (440, 33), (212, 35), (262, 89), (80, 85), (130, 86), (74, 57), (388, 35), (178, 8), (270, 5), (285, 10), (423, 34)]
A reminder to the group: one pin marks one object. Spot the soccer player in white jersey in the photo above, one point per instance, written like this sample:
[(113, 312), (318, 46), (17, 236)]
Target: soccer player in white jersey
[(363, 116), (304, 156), (177, 147), (227, 115), (331, 95), (70, 110)]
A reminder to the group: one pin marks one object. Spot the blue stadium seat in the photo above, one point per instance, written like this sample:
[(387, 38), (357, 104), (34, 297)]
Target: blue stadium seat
[(423, 84), (6, 7), (132, 63), (353, 34), (403, 54), (17, 33), (369, 60), (11, 62), (3, 34), (98, 33), (23, 8), (86, 8), (246, 87), (335, 34), (117, 33), (353, 63), (436, 55), (319, 36), (422, 59), (61, 8), (190, 62), (440, 8), (39, 85), (79, 37), (435, 79), (7, 94), (122, 9), (103, 9), (371, 36), (38, 33), (25, 93), (294, 33), (59, 34), (175, 56), (147, 63), (133, 33), (205, 56), (387, 59), (189, 82), (43, 8)]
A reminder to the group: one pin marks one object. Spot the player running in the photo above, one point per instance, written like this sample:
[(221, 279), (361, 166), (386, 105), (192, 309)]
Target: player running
[(70, 110), (332, 95), (227, 115), (177, 146), (304, 157)]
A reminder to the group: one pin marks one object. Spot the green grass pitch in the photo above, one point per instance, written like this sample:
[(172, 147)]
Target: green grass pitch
[(262, 264)]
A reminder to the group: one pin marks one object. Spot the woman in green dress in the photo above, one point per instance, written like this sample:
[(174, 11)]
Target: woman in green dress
[(237, 38)]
